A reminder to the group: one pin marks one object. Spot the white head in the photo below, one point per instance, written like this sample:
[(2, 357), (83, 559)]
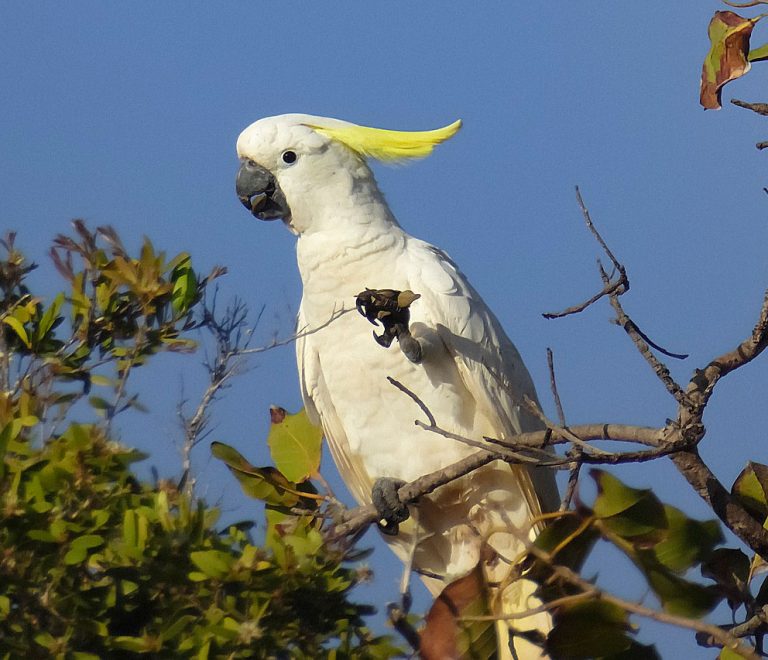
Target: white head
[(305, 169)]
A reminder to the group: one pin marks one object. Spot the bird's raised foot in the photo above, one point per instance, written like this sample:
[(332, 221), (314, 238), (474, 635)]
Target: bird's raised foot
[(390, 509), (389, 307)]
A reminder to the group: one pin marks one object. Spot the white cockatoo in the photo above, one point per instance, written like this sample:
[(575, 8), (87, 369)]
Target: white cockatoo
[(312, 172)]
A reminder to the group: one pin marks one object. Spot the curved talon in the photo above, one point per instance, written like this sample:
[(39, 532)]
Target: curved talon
[(383, 339), (390, 509), (389, 308)]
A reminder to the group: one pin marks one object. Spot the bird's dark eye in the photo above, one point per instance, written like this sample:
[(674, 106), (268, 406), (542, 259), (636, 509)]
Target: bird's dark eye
[(289, 157)]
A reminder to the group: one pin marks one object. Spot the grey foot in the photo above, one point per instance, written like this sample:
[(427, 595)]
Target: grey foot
[(390, 509), (410, 347)]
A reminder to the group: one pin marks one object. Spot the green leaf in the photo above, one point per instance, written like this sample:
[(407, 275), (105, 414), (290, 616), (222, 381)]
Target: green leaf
[(78, 549), (18, 328), (636, 651), (49, 317), (178, 626), (587, 630), (46, 640), (99, 403), (751, 489), (758, 54), (566, 534), (630, 513), (184, 286), (729, 567), (5, 607), (677, 595), (41, 535), (78, 436), (126, 643), (687, 542), (263, 483), (214, 563), (295, 444)]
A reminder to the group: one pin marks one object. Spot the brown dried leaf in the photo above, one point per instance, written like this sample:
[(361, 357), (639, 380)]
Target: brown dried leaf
[(727, 59), (446, 635)]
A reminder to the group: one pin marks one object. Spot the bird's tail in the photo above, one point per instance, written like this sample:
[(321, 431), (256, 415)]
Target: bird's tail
[(513, 633)]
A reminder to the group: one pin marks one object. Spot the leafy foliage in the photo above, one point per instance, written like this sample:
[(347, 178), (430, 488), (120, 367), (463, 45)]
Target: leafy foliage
[(663, 544), (93, 562)]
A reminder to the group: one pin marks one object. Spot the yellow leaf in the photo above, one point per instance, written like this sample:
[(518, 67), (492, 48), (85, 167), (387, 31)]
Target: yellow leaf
[(295, 444), (18, 328)]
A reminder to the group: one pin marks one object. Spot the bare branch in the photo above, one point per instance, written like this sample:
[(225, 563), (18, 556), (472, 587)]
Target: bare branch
[(575, 309), (691, 405), (748, 628), (588, 220), (726, 507), (701, 385), (630, 327), (362, 516), (415, 399), (535, 410), (745, 5), (303, 332), (662, 439), (231, 342), (655, 346), (759, 108)]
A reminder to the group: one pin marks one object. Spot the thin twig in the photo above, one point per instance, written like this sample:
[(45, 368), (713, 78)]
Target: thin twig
[(574, 468), (553, 387), (747, 628), (502, 451), (745, 5), (660, 369), (593, 230), (573, 481), (759, 108), (575, 309), (304, 332), (415, 399), (654, 345), (534, 409)]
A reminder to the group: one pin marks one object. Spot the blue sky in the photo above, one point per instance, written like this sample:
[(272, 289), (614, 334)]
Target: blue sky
[(127, 115)]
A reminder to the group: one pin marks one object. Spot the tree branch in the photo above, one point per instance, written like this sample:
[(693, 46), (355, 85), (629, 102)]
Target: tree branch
[(692, 403)]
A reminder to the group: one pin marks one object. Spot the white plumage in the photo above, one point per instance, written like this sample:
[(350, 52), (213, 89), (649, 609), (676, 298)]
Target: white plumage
[(471, 377)]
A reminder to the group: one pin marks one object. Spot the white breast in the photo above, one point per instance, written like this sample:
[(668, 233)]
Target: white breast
[(378, 419)]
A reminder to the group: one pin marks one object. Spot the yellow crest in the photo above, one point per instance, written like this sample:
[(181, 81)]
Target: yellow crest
[(389, 146)]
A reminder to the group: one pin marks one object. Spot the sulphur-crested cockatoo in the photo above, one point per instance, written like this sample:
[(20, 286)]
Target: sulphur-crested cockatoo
[(312, 172)]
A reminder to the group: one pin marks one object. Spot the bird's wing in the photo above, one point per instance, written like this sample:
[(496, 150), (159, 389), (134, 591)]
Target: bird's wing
[(489, 364), (320, 409)]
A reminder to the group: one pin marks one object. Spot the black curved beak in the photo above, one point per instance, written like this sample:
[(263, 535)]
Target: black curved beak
[(258, 191)]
